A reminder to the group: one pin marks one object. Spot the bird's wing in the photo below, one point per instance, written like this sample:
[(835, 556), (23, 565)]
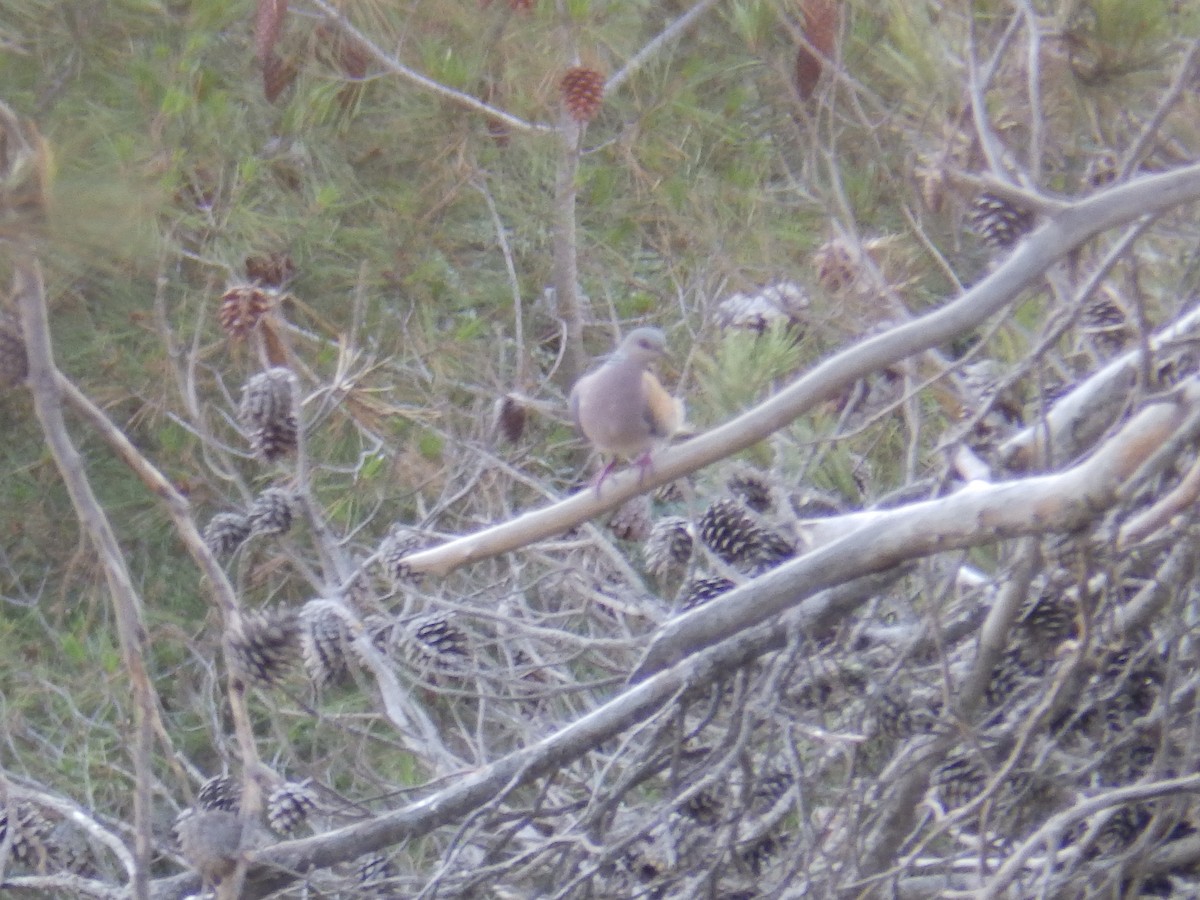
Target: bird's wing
[(664, 413)]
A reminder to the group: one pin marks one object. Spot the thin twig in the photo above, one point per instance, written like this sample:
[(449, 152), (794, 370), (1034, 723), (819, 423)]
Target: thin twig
[(127, 604), (396, 67), (668, 34)]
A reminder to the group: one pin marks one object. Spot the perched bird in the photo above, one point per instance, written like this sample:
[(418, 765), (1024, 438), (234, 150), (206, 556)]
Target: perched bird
[(622, 408), (211, 841)]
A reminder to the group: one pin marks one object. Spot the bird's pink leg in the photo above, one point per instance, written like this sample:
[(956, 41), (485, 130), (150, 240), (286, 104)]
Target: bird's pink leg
[(604, 473), (645, 464)]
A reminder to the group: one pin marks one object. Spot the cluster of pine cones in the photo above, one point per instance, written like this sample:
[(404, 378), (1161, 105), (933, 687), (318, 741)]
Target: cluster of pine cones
[(736, 537), (39, 839)]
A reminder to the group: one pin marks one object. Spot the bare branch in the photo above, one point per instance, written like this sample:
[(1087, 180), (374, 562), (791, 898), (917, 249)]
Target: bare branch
[(979, 514), (127, 604)]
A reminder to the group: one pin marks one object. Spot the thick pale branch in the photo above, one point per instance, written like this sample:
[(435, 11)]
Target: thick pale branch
[(1181, 498), (1079, 418), (976, 515), (77, 886)]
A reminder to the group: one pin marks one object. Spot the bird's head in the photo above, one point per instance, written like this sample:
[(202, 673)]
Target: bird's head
[(644, 345)]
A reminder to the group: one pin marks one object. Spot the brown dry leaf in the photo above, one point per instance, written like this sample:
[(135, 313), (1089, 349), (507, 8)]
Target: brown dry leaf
[(341, 51), (820, 30), (273, 269), (511, 416), (268, 26), (277, 75), (25, 167)]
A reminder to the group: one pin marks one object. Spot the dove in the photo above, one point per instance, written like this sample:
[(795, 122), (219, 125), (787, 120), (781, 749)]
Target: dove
[(621, 407)]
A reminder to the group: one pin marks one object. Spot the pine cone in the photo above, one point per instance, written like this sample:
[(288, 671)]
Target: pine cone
[(631, 522), (837, 265), (268, 409), (242, 308), (220, 792), (383, 631), (29, 829), (374, 868), (211, 841), (1103, 312), (14, 363), (69, 849), (669, 547), (288, 806), (1102, 169), (271, 512), (400, 542), (1050, 616), (225, 532), (703, 807), (323, 641), (268, 396), (275, 440), (645, 860), (809, 504), (1106, 323), (510, 418), (738, 540), (958, 781), (999, 222), (892, 717), (582, 93), (1122, 829), (752, 488), (436, 640), (770, 787), (699, 591), (783, 305), (671, 492), (1132, 676), (1017, 666), (267, 646), (271, 270), (759, 852)]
